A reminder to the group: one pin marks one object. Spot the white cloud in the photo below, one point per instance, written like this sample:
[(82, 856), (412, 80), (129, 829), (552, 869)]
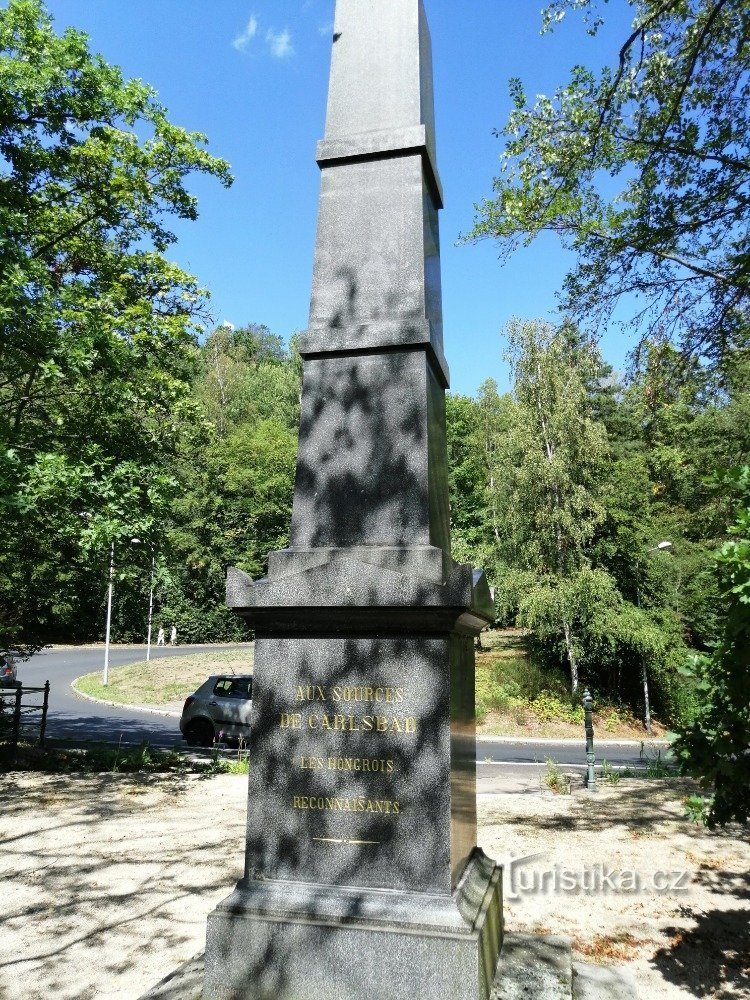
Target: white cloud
[(242, 41), (280, 43), (326, 29)]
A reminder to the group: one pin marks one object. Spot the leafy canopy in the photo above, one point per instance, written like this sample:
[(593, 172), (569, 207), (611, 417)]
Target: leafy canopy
[(643, 169), (716, 746), (97, 326)]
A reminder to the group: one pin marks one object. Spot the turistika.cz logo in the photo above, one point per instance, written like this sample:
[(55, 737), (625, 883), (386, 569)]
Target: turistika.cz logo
[(521, 879)]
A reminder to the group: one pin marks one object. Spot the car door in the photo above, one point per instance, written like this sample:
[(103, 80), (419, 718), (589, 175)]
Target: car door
[(230, 704)]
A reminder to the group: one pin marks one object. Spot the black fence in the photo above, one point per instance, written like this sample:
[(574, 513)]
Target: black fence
[(23, 713)]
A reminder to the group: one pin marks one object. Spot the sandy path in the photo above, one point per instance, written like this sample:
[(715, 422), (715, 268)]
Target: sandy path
[(107, 881), (690, 937)]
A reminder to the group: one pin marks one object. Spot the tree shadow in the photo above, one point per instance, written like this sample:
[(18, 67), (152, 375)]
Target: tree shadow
[(640, 806), (710, 959), (101, 880)]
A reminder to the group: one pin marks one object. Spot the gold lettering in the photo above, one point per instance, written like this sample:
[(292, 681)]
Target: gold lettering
[(399, 694), (367, 723), (289, 721), (334, 804), (312, 721)]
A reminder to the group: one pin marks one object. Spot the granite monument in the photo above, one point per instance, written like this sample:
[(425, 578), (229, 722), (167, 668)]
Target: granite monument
[(362, 875)]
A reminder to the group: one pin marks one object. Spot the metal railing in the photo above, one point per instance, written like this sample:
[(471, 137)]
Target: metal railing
[(15, 711)]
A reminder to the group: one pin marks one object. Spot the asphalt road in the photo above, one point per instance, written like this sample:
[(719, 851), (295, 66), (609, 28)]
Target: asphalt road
[(71, 717), (74, 718)]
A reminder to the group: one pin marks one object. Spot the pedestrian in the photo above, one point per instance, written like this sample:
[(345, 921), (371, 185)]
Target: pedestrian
[(173, 636), (160, 637)]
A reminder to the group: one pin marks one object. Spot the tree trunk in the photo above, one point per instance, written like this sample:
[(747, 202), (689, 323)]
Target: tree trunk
[(571, 657), (646, 703)]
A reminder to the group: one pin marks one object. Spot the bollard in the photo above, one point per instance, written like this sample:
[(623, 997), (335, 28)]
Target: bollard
[(588, 703)]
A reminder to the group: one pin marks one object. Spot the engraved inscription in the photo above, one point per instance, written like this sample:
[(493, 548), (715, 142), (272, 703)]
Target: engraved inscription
[(362, 805), (335, 709), (365, 765)]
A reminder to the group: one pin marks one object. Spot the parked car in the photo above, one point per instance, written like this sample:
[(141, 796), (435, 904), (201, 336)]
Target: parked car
[(8, 668), (220, 705)]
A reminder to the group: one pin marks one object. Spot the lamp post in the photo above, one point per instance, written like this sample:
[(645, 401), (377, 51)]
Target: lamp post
[(660, 547), (105, 673), (150, 607), (139, 541)]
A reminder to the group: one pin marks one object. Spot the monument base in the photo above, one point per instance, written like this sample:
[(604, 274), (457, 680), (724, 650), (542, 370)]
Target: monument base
[(299, 941)]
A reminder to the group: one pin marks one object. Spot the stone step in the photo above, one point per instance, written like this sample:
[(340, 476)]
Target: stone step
[(534, 967), (602, 982)]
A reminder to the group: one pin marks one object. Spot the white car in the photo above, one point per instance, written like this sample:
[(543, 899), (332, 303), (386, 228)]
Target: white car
[(221, 705)]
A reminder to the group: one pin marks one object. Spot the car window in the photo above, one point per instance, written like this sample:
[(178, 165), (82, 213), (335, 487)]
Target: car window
[(234, 687)]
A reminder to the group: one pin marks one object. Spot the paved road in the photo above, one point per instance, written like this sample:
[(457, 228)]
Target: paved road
[(74, 718), (71, 717)]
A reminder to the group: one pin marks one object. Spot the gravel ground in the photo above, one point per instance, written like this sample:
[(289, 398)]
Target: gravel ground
[(107, 881)]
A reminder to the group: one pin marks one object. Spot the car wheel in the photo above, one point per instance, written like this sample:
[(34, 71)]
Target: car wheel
[(199, 733)]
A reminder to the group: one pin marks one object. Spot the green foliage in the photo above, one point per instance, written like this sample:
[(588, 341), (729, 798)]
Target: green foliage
[(609, 774), (235, 500), (97, 326), (518, 686), (549, 462), (555, 779), (696, 809), (715, 747), (656, 766), (642, 170)]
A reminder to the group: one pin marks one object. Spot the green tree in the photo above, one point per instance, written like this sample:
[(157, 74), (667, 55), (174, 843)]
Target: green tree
[(643, 170), (715, 747), (234, 504), (466, 479), (549, 464), (97, 326)]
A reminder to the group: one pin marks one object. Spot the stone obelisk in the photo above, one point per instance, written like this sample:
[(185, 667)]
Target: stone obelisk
[(362, 875)]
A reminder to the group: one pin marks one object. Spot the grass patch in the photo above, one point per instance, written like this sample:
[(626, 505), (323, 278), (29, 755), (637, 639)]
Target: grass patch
[(107, 759), (509, 683), (517, 697), (165, 681)]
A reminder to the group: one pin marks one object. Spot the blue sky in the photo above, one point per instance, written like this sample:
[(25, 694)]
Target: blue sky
[(253, 74)]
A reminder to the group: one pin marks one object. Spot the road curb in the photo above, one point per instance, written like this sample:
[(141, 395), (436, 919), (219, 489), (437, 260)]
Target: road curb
[(480, 739), (566, 741), (118, 704)]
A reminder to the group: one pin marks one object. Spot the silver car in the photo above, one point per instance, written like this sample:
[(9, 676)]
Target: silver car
[(221, 705)]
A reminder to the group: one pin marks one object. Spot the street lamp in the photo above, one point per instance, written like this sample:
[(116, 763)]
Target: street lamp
[(105, 674), (659, 547), (138, 541)]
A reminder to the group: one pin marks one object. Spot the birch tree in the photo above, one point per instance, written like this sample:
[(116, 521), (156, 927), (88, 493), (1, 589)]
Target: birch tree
[(547, 470)]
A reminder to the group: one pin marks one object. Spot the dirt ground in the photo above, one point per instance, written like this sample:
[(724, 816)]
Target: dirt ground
[(107, 880)]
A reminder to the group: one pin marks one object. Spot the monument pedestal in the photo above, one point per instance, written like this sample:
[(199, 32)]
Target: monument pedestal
[(292, 941), (362, 874)]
